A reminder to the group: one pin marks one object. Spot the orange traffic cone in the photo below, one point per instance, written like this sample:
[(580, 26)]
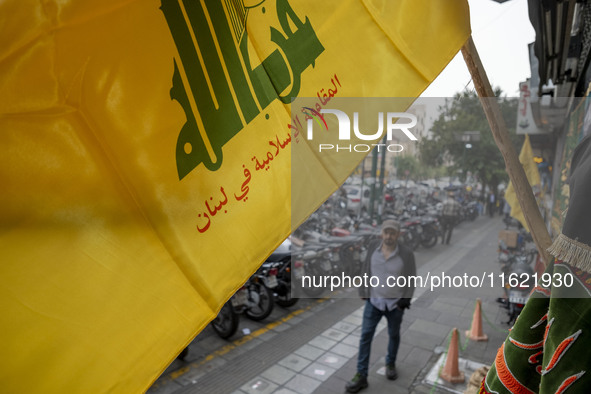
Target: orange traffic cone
[(451, 372), (475, 333)]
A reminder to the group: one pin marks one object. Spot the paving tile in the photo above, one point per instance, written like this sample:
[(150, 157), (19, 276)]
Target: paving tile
[(407, 320), (278, 374), (259, 386), (406, 376), (345, 327), (431, 328), (418, 356), (348, 370), (334, 334), (303, 384), (357, 331), (423, 389), (446, 308), (294, 362), (337, 383), (310, 352), (380, 370), (380, 384), (284, 391), (395, 388), (377, 384), (318, 371), (454, 321), (333, 360), (344, 350), (461, 302), (467, 313), (424, 341), (422, 313), (403, 350), (351, 340), (358, 312), (322, 342), (352, 319)]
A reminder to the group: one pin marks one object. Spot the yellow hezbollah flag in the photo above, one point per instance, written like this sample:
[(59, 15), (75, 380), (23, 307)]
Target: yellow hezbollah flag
[(145, 162), (526, 158)]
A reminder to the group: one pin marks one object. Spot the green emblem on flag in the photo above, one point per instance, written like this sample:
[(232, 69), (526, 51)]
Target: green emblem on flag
[(213, 81)]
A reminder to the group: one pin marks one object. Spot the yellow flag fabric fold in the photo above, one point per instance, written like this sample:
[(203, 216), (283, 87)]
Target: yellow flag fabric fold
[(526, 158), (145, 158)]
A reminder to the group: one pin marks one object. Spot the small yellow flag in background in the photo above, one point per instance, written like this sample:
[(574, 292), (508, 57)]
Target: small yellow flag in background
[(526, 158), (145, 159)]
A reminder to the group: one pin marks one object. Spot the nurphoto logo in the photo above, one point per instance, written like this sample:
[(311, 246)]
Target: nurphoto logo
[(405, 121)]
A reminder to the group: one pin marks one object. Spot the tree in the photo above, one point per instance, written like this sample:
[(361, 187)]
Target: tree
[(407, 166), (416, 170), (463, 113)]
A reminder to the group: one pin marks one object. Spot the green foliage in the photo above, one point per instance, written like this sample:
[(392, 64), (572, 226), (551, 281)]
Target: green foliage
[(407, 163), (461, 114), (417, 170)]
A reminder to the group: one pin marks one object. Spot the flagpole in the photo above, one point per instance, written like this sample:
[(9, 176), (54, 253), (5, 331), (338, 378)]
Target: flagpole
[(523, 190)]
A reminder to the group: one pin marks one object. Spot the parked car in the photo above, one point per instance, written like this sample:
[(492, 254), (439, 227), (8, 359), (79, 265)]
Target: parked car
[(355, 199)]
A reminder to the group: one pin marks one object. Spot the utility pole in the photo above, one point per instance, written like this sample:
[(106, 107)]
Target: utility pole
[(374, 168), (382, 174)]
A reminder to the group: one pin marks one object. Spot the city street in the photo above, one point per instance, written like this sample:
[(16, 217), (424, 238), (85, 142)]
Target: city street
[(213, 198), (312, 346)]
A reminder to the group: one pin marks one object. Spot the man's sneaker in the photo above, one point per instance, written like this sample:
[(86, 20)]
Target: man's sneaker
[(391, 372), (358, 382)]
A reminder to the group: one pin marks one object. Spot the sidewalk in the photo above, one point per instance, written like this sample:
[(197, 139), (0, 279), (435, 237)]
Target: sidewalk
[(315, 350), (426, 327)]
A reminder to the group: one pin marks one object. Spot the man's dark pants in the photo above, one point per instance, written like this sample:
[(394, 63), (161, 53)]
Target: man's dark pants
[(447, 227), (371, 318)]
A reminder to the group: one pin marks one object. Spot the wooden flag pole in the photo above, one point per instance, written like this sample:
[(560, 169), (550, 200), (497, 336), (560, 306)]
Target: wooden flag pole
[(523, 190)]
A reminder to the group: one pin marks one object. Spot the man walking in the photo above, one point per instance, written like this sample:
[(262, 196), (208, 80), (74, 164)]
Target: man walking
[(491, 204), (449, 217), (385, 259)]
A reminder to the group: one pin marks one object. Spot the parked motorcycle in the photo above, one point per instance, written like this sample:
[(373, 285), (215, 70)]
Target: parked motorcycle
[(226, 322), (518, 276), (253, 299), (259, 303), (277, 270), (430, 231), (347, 252), (318, 262)]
